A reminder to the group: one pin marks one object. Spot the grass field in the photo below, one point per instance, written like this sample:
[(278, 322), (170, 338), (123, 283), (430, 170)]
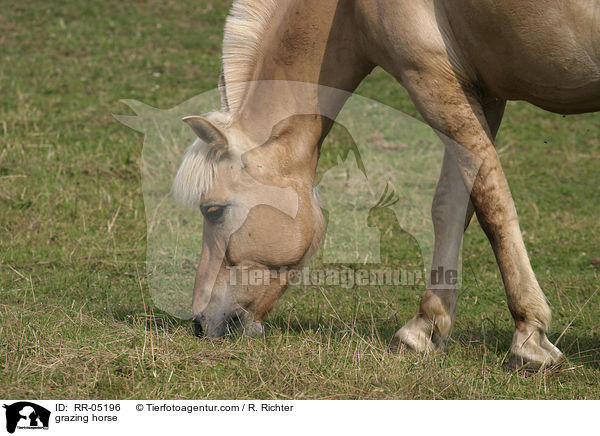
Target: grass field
[(76, 317)]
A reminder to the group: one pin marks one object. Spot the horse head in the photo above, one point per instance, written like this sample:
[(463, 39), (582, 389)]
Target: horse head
[(261, 216)]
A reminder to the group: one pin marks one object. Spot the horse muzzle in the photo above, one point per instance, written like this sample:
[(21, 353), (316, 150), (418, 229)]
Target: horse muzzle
[(212, 327)]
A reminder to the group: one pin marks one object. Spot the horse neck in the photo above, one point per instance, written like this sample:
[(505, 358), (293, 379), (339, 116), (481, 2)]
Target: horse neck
[(310, 62)]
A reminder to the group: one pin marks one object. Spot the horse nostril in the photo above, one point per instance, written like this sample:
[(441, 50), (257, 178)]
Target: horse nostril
[(206, 326), (197, 328)]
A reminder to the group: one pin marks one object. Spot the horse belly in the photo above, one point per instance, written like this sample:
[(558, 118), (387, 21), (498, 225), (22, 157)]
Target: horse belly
[(545, 51)]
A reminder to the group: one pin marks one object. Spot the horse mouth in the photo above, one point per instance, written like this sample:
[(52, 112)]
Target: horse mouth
[(203, 327)]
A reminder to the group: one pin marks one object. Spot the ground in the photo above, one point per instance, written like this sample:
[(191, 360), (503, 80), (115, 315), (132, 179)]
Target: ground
[(76, 318)]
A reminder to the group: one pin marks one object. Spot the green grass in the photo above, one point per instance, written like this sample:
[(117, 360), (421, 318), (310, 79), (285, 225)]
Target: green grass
[(76, 317)]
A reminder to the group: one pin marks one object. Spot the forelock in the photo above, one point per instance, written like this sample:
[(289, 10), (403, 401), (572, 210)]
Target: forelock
[(198, 167)]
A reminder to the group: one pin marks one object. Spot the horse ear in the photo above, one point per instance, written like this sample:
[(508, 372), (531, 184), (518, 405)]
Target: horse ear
[(207, 132)]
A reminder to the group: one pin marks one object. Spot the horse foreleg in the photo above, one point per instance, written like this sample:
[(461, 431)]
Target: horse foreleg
[(451, 212), (461, 117)]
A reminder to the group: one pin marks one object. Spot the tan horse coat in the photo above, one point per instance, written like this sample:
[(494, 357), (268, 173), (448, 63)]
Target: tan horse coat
[(460, 60)]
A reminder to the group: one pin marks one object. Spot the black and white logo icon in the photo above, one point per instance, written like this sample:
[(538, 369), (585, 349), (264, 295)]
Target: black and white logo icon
[(26, 415)]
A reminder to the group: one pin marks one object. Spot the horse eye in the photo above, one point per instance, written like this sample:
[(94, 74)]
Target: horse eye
[(213, 213)]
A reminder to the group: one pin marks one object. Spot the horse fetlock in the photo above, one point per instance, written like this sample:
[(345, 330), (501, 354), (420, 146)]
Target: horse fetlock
[(429, 329), (434, 308), (532, 350)]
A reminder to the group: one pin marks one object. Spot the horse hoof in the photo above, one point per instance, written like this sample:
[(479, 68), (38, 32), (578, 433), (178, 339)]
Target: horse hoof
[(414, 337), (531, 351)]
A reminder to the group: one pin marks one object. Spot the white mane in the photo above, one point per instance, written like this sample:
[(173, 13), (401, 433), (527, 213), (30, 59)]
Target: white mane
[(246, 24)]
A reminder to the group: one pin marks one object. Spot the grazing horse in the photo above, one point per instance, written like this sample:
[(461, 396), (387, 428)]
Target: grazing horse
[(460, 61)]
